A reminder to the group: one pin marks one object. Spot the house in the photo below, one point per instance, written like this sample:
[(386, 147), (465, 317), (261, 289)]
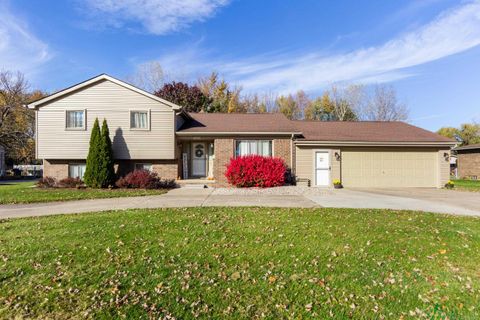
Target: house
[(2, 160), (151, 133), (468, 161)]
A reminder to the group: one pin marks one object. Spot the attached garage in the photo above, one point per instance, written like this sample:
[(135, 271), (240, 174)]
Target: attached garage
[(371, 155), (390, 168)]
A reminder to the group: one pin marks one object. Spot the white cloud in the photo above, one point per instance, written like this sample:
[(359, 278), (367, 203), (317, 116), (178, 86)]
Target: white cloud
[(453, 31), (19, 48), (156, 16)]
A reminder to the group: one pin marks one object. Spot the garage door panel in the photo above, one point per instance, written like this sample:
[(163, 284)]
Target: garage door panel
[(380, 168)]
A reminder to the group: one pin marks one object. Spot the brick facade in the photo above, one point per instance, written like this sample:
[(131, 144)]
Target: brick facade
[(468, 163), (57, 169), (224, 151), (167, 169), (282, 148)]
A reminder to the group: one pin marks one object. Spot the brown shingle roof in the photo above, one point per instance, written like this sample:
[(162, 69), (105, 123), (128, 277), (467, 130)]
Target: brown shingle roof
[(469, 147), (238, 122), (366, 131), (359, 131)]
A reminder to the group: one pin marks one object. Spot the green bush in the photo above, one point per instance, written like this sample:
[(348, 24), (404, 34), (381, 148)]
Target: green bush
[(100, 171)]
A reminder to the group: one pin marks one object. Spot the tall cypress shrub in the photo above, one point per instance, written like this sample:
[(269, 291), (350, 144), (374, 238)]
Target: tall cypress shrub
[(93, 159), (107, 170)]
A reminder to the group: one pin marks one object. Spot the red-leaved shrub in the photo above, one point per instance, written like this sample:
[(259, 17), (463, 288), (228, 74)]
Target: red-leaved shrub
[(47, 182), (70, 183), (144, 179), (256, 171)]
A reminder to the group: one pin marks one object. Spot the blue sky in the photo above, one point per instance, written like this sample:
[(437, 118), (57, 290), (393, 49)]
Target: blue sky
[(429, 50)]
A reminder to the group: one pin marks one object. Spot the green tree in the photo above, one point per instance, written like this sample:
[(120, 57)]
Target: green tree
[(91, 176), (288, 106), (321, 108), (449, 132), (107, 171), (468, 133)]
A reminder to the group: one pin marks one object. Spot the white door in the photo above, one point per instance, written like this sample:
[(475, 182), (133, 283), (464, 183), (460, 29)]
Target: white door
[(322, 168), (199, 159)]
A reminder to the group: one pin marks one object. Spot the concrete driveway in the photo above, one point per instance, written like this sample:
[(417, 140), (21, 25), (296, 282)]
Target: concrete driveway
[(431, 200), (421, 199)]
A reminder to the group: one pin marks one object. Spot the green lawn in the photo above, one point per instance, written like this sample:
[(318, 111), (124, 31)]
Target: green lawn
[(469, 185), (26, 192), (241, 263)]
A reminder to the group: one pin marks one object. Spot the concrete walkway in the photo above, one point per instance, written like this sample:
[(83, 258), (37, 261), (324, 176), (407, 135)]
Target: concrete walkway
[(429, 200), (182, 197)]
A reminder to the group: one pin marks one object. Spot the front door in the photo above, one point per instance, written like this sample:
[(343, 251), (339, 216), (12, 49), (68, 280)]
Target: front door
[(322, 168), (199, 159)]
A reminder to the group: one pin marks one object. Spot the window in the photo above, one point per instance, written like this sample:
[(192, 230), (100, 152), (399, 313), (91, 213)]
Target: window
[(75, 119), (143, 166), (76, 170), (139, 120), (260, 147)]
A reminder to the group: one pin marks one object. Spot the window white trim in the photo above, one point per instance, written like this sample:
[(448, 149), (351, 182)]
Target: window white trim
[(258, 143), (84, 127), (70, 165), (147, 111), (143, 164)]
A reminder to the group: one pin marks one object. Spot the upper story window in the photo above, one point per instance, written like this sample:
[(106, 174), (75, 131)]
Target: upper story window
[(260, 147), (139, 120), (75, 119)]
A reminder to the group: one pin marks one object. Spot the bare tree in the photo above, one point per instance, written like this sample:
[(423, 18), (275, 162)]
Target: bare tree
[(346, 100), (13, 87), (149, 76), (383, 105)]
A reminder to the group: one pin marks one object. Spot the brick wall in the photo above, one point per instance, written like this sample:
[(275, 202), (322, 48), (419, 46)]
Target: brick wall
[(468, 164), (167, 169), (282, 149), (57, 169), (224, 150)]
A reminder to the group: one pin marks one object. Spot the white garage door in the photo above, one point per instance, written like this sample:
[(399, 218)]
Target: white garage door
[(381, 168)]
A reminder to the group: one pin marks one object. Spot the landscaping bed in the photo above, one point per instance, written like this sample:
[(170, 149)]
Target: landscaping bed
[(241, 263), (26, 192)]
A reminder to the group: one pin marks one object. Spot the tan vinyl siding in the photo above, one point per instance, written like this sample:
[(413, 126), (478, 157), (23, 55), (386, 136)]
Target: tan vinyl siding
[(108, 100), (305, 162)]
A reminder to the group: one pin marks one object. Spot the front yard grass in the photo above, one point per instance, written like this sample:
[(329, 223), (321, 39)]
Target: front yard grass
[(241, 263), (26, 192), (467, 185)]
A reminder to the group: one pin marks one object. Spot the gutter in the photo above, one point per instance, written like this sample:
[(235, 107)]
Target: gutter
[(258, 133), (372, 143)]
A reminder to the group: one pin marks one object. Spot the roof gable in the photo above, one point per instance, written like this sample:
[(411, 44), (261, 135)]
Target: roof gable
[(70, 90)]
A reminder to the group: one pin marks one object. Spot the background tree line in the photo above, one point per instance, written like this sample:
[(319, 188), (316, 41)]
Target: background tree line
[(214, 94)]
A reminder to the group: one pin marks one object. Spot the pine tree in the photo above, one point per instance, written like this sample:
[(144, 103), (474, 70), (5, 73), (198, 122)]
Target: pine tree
[(93, 159), (107, 171)]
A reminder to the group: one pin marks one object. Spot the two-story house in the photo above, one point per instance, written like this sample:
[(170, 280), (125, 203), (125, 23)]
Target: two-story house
[(151, 133)]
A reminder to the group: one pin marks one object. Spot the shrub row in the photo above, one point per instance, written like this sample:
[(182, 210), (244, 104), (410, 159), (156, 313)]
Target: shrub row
[(49, 182), (138, 179), (256, 171), (144, 179)]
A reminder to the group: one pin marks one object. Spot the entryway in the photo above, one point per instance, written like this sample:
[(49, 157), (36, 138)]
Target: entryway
[(322, 168)]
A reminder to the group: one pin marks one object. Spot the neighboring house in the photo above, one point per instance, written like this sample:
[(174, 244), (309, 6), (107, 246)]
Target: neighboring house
[(468, 161), (2, 160), (151, 133)]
